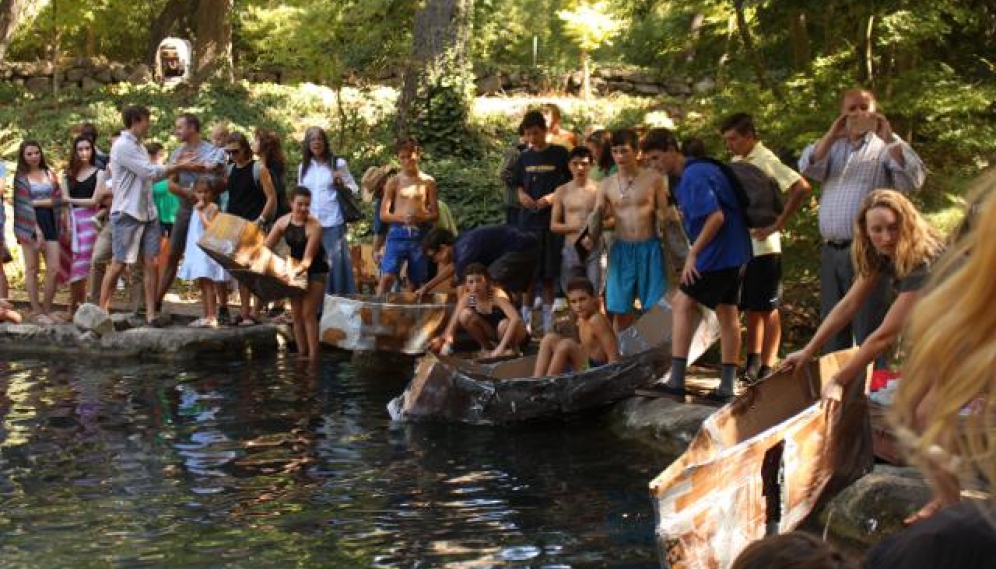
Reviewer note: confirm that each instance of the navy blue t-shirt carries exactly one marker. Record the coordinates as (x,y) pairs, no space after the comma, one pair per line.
(485,244)
(540,172)
(704,189)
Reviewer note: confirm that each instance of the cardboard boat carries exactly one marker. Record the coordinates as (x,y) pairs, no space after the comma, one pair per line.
(760,465)
(450,389)
(396,322)
(238,245)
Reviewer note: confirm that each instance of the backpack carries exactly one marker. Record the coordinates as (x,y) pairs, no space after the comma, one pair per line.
(758,194)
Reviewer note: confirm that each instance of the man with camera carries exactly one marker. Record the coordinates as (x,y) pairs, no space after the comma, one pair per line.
(859,153)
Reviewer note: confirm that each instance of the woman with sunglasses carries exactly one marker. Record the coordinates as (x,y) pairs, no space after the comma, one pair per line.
(250,196)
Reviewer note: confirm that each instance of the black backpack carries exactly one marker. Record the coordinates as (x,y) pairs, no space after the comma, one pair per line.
(758,193)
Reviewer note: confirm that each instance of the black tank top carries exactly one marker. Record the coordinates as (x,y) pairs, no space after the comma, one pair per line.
(297,240)
(244,198)
(83,190)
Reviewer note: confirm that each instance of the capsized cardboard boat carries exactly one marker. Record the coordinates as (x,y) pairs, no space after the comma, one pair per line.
(396,322)
(238,245)
(760,465)
(450,389)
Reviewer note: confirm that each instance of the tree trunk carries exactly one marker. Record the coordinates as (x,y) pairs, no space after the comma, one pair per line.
(173,20)
(867,52)
(752,54)
(585,76)
(800,40)
(435,98)
(694,31)
(213,42)
(56,47)
(13,15)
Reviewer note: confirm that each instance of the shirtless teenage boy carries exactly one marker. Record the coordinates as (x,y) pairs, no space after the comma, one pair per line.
(634,202)
(598,345)
(572,204)
(410,208)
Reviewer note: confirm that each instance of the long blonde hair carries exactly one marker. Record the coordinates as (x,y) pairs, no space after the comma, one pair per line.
(918,242)
(951,344)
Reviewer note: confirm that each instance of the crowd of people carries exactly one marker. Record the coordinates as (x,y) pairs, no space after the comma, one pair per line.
(594,220)
(131,213)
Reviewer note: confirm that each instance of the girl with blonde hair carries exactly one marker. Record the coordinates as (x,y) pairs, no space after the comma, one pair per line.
(944,412)
(891,241)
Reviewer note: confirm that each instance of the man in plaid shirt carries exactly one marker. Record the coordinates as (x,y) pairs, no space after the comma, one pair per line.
(859,153)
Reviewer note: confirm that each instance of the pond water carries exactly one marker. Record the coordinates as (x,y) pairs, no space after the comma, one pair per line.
(263,463)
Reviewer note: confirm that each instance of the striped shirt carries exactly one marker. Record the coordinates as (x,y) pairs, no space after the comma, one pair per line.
(850,171)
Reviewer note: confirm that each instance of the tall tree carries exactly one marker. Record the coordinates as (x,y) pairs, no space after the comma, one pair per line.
(175,18)
(590,26)
(13,15)
(435,99)
(213,42)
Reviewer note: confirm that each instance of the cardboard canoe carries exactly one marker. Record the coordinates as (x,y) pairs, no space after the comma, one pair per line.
(450,389)
(760,465)
(396,322)
(238,246)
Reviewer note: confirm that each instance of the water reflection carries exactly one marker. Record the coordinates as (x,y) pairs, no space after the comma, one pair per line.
(263,463)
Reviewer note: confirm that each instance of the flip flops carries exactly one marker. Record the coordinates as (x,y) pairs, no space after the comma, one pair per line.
(204,323)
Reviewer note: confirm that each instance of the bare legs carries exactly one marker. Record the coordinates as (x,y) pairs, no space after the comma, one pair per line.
(32,263)
(304,308)
(114,271)
(557,355)
(208,299)
(764,335)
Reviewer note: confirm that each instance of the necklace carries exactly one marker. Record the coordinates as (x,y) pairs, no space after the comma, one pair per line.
(624,193)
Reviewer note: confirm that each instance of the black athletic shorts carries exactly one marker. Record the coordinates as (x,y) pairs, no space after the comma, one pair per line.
(514,271)
(716,287)
(550,247)
(762,287)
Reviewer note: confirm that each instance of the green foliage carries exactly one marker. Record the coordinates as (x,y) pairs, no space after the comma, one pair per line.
(590,25)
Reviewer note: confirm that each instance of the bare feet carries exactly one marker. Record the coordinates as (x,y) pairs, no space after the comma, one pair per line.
(925,512)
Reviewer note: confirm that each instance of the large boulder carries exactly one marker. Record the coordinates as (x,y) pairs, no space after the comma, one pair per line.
(874,507)
(141,74)
(75,74)
(489,85)
(89,84)
(663,423)
(90,317)
(38,85)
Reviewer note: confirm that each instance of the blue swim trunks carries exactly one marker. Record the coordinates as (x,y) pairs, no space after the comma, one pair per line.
(636,270)
(404,244)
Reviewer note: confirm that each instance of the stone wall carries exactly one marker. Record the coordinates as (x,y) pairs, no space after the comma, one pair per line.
(89,74)
(604,80)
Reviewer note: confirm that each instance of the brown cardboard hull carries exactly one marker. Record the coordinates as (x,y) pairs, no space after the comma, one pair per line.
(760,465)
(237,245)
(450,389)
(388,323)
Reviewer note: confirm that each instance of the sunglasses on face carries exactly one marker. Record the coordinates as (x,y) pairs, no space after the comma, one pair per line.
(232,151)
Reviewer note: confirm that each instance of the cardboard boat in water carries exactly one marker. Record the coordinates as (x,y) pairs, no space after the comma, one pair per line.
(450,389)
(238,245)
(395,322)
(760,465)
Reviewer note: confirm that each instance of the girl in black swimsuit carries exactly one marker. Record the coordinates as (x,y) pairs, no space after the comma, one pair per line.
(303,234)
(490,318)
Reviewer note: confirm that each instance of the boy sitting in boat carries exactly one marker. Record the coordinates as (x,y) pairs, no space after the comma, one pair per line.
(410,208)
(487,314)
(598,345)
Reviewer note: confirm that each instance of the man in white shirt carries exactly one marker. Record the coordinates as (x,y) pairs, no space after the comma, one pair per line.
(134,219)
